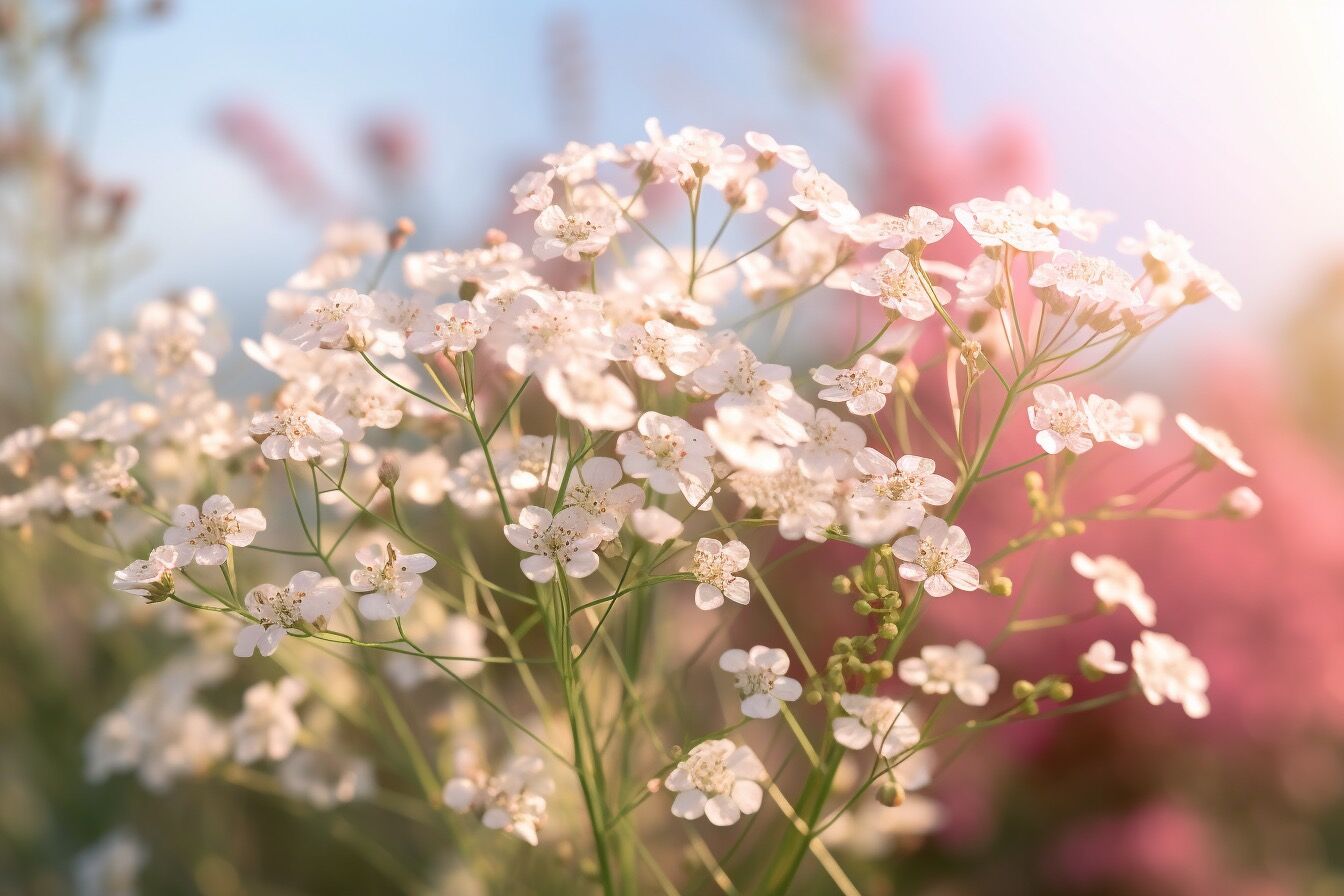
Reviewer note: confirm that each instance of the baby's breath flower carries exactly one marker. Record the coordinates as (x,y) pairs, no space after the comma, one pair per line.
(204,536)
(1060,422)
(936,557)
(713,565)
(863,388)
(1100,660)
(1215,443)
(1167,671)
(565,541)
(760,680)
(308,598)
(293,433)
(268,728)
(877,721)
(718,780)
(1116,584)
(390,578)
(961,670)
(671,454)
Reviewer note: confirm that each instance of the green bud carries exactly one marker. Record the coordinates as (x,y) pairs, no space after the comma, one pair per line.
(1061,691)
(891,793)
(888,631)
(863,608)
(1023,689)
(842,584)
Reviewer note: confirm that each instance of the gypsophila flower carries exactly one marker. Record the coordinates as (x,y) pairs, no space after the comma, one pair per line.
(1108,421)
(533,192)
(877,721)
(655,525)
(571,235)
(671,454)
(996,224)
(936,557)
(1215,444)
(267,727)
(831,445)
(1147,412)
(1060,423)
(565,540)
(1116,584)
(330,321)
(759,678)
(1090,280)
(293,433)
(594,488)
(816,193)
(514,800)
(898,286)
(204,536)
(863,388)
(962,670)
(455,327)
(1166,671)
(391,579)
(713,565)
(718,780)
(906,484)
(1100,661)
(1242,503)
(308,598)
(151,578)
(657,344)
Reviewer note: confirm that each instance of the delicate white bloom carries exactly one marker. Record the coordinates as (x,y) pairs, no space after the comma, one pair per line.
(513,801)
(309,597)
(831,444)
(751,394)
(204,536)
(1158,244)
(441,634)
(1167,671)
(877,721)
(267,727)
(1108,421)
(293,433)
(111,867)
(863,388)
(962,670)
(995,224)
(565,540)
(454,327)
(1116,584)
(600,401)
(330,321)
(1147,412)
(937,556)
(1203,281)
(1088,279)
(326,780)
(1242,503)
(19,447)
(803,507)
(1057,213)
(671,454)
(817,193)
(658,344)
(718,780)
(1060,423)
(532,462)
(573,236)
(770,149)
(759,678)
(898,286)
(910,234)
(391,579)
(905,485)
(713,565)
(552,331)
(594,488)
(106,485)
(533,192)
(1215,443)
(152,577)
(655,525)
(1100,660)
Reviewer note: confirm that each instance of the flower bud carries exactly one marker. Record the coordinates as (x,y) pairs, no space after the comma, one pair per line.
(389,471)
(842,584)
(888,630)
(1000,585)
(862,607)
(1241,503)
(1023,689)
(401,231)
(891,793)
(1061,691)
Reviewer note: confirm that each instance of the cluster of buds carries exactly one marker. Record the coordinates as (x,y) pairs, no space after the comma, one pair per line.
(1029,694)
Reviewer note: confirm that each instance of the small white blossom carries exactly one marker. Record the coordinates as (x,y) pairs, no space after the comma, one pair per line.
(817,193)
(713,565)
(1242,503)
(759,678)
(204,536)
(1100,660)
(1060,423)
(1116,584)
(330,321)
(1216,443)
(571,235)
(513,801)
(771,149)
(390,578)
(1147,412)
(863,388)
(595,488)
(655,525)
(904,485)
(657,344)
(831,445)
(937,556)
(718,780)
(1108,421)
(565,540)
(309,597)
(898,286)
(1167,671)
(877,721)
(152,577)
(454,327)
(533,192)
(962,670)
(267,727)
(671,454)
(995,224)
(293,433)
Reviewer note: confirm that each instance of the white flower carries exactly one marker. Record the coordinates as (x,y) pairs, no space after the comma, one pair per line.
(936,556)
(532,462)
(658,344)
(718,780)
(671,454)
(19,447)
(713,565)
(897,285)
(655,525)
(1100,661)
(1167,671)
(1160,245)
(759,677)
(831,445)
(1108,421)
(454,327)
(293,433)
(572,236)
(513,801)
(533,192)
(267,727)
(1116,584)
(1059,421)
(770,149)
(906,485)
(1057,213)
(879,721)
(391,577)
(803,507)
(205,536)
(594,489)
(1215,443)
(1242,503)
(329,321)
(961,669)
(1147,412)
(309,597)
(817,193)
(107,484)
(599,400)
(326,780)
(149,578)
(994,224)
(863,388)
(1091,280)
(751,394)
(565,540)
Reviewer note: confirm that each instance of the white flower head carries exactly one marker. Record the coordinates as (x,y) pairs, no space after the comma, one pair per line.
(513,801)
(565,541)
(1242,503)
(770,149)
(204,536)
(1109,421)
(1147,412)
(655,525)
(1100,661)
(293,433)
(1060,422)
(904,485)
(898,286)
(718,780)
(937,556)
(454,327)
(1116,584)
(863,388)
(760,680)
(595,488)
(961,670)
(1167,671)
(996,224)
(572,235)
(671,454)
(149,578)
(308,598)
(713,565)
(879,722)
(331,321)
(388,579)
(1215,444)
(817,193)
(267,727)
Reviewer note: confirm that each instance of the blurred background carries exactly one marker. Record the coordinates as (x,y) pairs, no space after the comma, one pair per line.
(196,143)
